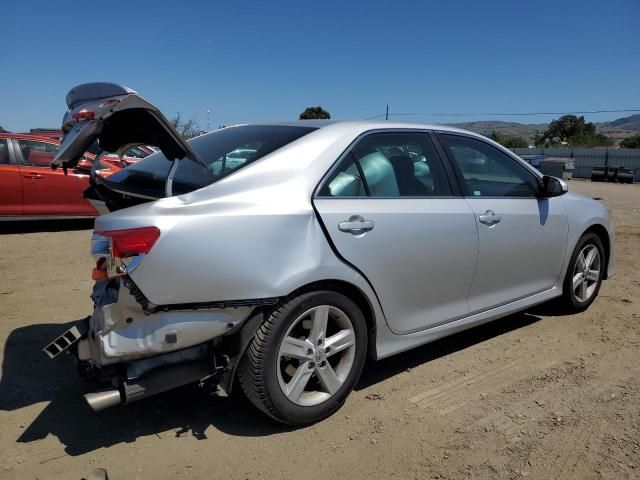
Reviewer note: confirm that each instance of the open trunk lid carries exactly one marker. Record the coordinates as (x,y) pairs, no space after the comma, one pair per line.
(117,117)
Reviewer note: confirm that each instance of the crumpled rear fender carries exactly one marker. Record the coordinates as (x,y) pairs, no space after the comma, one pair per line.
(224,249)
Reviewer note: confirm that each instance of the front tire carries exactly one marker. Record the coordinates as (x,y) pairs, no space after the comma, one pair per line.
(305,358)
(584,274)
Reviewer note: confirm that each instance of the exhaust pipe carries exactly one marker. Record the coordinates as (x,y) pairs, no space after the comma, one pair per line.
(155,382)
(101,400)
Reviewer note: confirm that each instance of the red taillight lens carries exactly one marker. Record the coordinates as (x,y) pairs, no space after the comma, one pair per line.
(100,272)
(133,241)
(88,111)
(84,115)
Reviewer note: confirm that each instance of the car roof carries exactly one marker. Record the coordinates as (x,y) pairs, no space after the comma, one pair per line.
(350,125)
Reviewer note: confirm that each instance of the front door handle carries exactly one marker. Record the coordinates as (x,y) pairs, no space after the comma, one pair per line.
(33,175)
(489,218)
(356,225)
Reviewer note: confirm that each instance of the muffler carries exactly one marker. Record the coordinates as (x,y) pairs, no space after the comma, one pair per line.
(155,382)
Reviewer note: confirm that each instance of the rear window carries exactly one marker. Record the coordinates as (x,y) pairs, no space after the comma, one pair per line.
(224,151)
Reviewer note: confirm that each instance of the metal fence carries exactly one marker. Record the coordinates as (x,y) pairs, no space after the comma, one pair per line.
(587,158)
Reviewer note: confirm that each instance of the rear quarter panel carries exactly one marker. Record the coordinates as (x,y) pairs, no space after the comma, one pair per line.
(232,248)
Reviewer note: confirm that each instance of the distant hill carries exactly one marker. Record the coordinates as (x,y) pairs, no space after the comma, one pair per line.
(616,129)
(631,122)
(485,127)
(620,128)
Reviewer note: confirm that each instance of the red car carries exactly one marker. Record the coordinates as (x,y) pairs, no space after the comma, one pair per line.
(29,188)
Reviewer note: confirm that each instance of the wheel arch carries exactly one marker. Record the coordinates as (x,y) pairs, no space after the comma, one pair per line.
(235,345)
(603,234)
(358,296)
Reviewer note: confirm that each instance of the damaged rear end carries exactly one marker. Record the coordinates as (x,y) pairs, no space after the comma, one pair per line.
(135,347)
(140,348)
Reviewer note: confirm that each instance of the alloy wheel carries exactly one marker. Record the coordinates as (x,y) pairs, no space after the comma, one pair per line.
(316,355)
(586,273)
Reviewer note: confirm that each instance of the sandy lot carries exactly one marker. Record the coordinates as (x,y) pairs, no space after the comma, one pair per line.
(532,395)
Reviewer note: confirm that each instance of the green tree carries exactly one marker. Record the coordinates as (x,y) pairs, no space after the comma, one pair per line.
(631,142)
(2,130)
(496,136)
(186,128)
(509,141)
(312,113)
(575,131)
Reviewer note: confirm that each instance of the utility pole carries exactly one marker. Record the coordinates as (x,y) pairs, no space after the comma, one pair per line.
(208,120)
(386,116)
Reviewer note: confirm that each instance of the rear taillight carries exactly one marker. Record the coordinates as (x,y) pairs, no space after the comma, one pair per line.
(118,252)
(131,242)
(83,115)
(88,111)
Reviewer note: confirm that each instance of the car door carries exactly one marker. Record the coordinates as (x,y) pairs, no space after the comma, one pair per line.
(10,183)
(391,211)
(522,238)
(50,192)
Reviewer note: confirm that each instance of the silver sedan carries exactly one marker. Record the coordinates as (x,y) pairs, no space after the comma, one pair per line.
(285,254)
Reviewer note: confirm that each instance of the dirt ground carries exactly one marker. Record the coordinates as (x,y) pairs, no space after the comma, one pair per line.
(532,395)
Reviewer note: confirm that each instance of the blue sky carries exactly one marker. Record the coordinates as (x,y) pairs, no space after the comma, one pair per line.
(268,60)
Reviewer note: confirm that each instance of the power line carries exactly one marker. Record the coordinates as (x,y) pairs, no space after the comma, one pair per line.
(518,114)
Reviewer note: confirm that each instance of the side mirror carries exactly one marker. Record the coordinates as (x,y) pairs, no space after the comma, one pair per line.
(553,187)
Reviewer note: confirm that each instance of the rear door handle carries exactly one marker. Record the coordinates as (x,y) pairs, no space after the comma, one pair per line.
(489,218)
(32,175)
(356,225)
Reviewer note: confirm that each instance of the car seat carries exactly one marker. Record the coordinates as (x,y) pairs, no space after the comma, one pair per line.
(408,184)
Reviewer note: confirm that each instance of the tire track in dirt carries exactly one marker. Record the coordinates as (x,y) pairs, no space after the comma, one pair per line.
(552,430)
(458,392)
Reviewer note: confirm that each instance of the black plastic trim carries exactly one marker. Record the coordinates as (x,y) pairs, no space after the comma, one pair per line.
(448,167)
(149,307)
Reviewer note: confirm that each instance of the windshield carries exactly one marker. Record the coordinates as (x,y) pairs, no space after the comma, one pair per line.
(223,151)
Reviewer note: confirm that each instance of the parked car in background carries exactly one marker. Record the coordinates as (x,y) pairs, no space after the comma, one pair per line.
(53,133)
(285,254)
(129,156)
(29,188)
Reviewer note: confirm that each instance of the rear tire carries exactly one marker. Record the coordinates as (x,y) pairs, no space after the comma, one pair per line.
(305,358)
(584,274)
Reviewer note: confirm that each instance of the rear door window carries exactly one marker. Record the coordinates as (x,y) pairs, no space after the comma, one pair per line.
(37,154)
(346,181)
(402,164)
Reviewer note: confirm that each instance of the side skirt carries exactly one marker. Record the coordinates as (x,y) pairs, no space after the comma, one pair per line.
(389,344)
